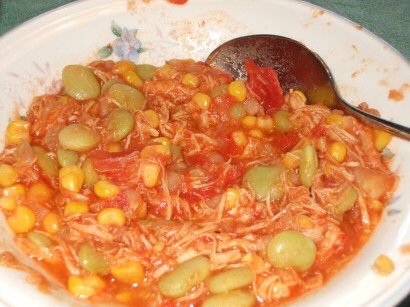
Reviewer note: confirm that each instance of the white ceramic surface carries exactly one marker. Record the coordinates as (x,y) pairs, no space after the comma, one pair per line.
(365,67)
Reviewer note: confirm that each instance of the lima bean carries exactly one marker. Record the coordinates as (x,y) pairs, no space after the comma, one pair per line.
(38,239)
(291,249)
(92,261)
(145,71)
(346,200)
(127,97)
(308,165)
(66,157)
(80,83)
(231,279)
(237,111)
(90,175)
(263,181)
(236,298)
(78,137)
(219,90)
(186,276)
(282,121)
(46,163)
(106,86)
(119,123)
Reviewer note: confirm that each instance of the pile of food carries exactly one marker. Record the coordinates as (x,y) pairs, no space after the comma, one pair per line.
(179,186)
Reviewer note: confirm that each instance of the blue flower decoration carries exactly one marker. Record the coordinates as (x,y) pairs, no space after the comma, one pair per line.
(128,46)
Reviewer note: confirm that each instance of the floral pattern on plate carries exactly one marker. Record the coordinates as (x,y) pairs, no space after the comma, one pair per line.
(126,46)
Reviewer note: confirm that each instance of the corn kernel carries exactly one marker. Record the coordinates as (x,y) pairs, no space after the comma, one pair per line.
(383,265)
(124,297)
(237,89)
(75,207)
(8,203)
(303,96)
(71,178)
(249,121)
(381,139)
(85,287)
(162,140)
(51,223)
(190,80)
(202,100)
(335,119)
(233,196)
(114,147)
(305,222)
(23,220)
(132,78)
(111,216)
(39,192)
(338,151)
(265,123)
(153,118)
(18,131)
(123,66)
(150,173)
(291,160)
(256,133)
(105,189)
(153,151)
(8,175)
(376,204)
(17,190)
(239,138)
(131,272)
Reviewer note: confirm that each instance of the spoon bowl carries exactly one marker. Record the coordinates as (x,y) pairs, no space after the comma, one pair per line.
(298,68)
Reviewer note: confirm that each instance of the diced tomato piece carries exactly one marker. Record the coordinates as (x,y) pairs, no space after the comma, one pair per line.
(178,1)
(117,167)
(228,147)
(285,141)
(220,106)
(318,131)
(263,84)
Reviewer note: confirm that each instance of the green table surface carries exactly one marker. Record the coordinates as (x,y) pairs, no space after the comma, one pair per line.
(389,19)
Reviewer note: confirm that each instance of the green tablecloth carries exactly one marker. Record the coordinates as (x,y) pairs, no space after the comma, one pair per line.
(389,19)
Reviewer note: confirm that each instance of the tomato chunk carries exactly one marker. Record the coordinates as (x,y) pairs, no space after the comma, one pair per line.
(117,167)
(178,1)
(285,141)
(263,85)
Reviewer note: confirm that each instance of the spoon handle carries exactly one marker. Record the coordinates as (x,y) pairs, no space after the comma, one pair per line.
(377,122)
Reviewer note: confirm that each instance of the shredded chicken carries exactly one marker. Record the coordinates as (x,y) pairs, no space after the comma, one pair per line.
(201,204)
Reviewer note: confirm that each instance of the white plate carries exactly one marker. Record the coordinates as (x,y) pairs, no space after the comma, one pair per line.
(365,67)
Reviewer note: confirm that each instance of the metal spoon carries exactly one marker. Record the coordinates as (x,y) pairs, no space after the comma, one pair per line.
(297,68)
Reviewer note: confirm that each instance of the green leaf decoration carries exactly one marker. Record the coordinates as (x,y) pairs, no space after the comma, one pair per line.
(116,29)
(104,52)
